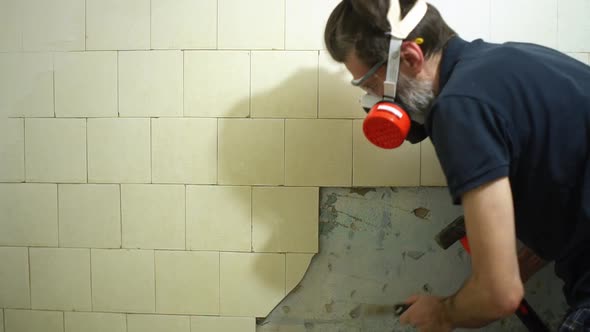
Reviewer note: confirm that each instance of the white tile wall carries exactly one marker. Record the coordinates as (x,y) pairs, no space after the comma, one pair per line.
(305,23)
(263,273)
(33,321)
(470,26)
(23,226)
(373,166)
(158,323)
(184,24)
(153,216)
(94,322)
(223,324)
(117,25)
(123,280)
(11,14)
(150,83)
(53,25)
(284,84)
(285,219)
(60,279)
(86,84)
(184,151)
(55,150)
(524,20)
(89,216)
(12,150)
(574,27)
(119,151)
(187,282)
(246,145)
(217,84)
(210,225)
(14,278)
(243,25)
(318,152)
(26,84)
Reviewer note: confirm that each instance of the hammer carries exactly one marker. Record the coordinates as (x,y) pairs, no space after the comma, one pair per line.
(454,232)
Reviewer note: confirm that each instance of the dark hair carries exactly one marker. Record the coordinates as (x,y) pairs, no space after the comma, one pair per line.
(361,25)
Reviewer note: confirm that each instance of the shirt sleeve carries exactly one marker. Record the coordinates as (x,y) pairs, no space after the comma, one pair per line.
(471,142)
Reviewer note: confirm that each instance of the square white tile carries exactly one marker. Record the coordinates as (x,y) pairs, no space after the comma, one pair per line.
(207,90)
(338,99)
(150,83)
(210,225)
(119,151)
(86,84)
(431,172)
(26,84)
(23,226)
(509,23)
(284,84)
(223,324)
(285,219)
(94,322)
(123,280)
(14,278)
(60,279)
(473,26)
(89,216)
(11,13)
(318,152)
(118,25)
(573,26)
(55,150)
(184,151)
(187,282)
(33,321)
(157,323)
(153,216)
(255,24)
(297,265)
(305,23)
(251,284)
(251,152)
(184,24)
(56,25)
(377,167)
(12,150)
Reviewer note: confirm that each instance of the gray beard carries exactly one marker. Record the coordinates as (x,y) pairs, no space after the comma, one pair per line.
(415,96)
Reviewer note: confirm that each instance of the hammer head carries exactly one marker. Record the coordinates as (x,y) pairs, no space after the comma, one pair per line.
(452,233)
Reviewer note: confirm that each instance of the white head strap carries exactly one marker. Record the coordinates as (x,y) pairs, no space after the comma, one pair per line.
(400,29)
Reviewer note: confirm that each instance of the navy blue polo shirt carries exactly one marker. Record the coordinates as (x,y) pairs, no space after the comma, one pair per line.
(522,111)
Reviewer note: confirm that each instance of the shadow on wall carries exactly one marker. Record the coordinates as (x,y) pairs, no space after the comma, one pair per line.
(275,151)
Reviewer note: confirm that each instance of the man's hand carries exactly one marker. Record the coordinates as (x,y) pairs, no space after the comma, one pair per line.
(427,314)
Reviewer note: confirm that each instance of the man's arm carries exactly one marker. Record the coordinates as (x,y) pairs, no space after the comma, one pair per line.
(494,289)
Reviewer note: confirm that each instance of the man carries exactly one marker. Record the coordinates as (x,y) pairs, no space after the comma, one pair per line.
(511,127)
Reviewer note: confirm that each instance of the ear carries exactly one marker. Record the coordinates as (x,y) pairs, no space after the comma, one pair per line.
(412,58)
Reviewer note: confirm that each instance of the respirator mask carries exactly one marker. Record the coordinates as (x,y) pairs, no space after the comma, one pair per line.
(388,124)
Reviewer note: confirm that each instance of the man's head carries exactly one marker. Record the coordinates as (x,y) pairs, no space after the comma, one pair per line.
(356,36)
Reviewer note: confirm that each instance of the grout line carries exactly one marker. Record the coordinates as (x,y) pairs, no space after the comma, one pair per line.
(53,78)
(217,175)
(118,93)
(250,93)
(91,295)
(63,317)
(352,153)
(284,152)
(121,213)
(183,82)
(3,320)
(25,149)
(218,282)
(57,204)
(85,24)
(155,292)
(151,154)
(251,219)
(87,176)
(185,217)
(284,24)
(318,87)
(217,28)
(126,322)
(151,18)
(30,283)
